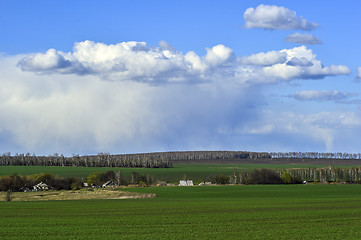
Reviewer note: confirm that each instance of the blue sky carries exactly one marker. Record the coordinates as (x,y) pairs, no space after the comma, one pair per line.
(82,77)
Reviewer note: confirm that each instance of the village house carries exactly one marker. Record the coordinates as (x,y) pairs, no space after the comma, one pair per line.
(204,183)
(185,183)
(108,184)
(40,187)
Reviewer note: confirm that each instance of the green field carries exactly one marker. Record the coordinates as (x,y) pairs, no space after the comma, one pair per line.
(209,212)
(196,172)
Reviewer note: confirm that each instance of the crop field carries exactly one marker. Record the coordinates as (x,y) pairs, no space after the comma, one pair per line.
(209,212)
(196,172)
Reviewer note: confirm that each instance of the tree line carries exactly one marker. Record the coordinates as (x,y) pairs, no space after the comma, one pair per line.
(17,183)
(141,160)
(316,155)
(156,159)
(299,175)
(100,160)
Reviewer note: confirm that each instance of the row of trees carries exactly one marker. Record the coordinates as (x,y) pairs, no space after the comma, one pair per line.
(330,174)
(156,160)
(201,155)
(100,160)
(195,155)
(257,176)
(294,176)
(142,160)
(16,183)
(99,178)
(316,155)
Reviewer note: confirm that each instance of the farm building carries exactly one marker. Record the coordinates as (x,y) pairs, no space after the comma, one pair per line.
(41,186)
(204,183)
(185,183)
(108,184)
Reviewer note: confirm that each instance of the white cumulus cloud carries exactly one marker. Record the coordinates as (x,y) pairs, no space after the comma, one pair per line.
(275,17)
(218,55)
(134,61)
(306,38)
(264,59)
(50,62)
(129,61)
(300,63)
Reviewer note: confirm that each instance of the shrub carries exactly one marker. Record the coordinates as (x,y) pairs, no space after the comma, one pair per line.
(108,176)
(265,176)
(220,179)
(60,184)
(11,183)
(75,185)
(286,177)
(95,178)
(44,177)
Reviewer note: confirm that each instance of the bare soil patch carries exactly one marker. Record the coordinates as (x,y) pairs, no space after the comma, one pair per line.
(82,194)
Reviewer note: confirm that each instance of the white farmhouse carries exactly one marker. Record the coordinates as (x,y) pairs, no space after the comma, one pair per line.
(185,183)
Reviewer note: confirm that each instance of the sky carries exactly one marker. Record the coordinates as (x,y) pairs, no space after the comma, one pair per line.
(84,77)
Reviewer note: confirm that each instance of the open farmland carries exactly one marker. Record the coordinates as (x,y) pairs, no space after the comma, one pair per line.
(210,212)
(195,165)
(196,172)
